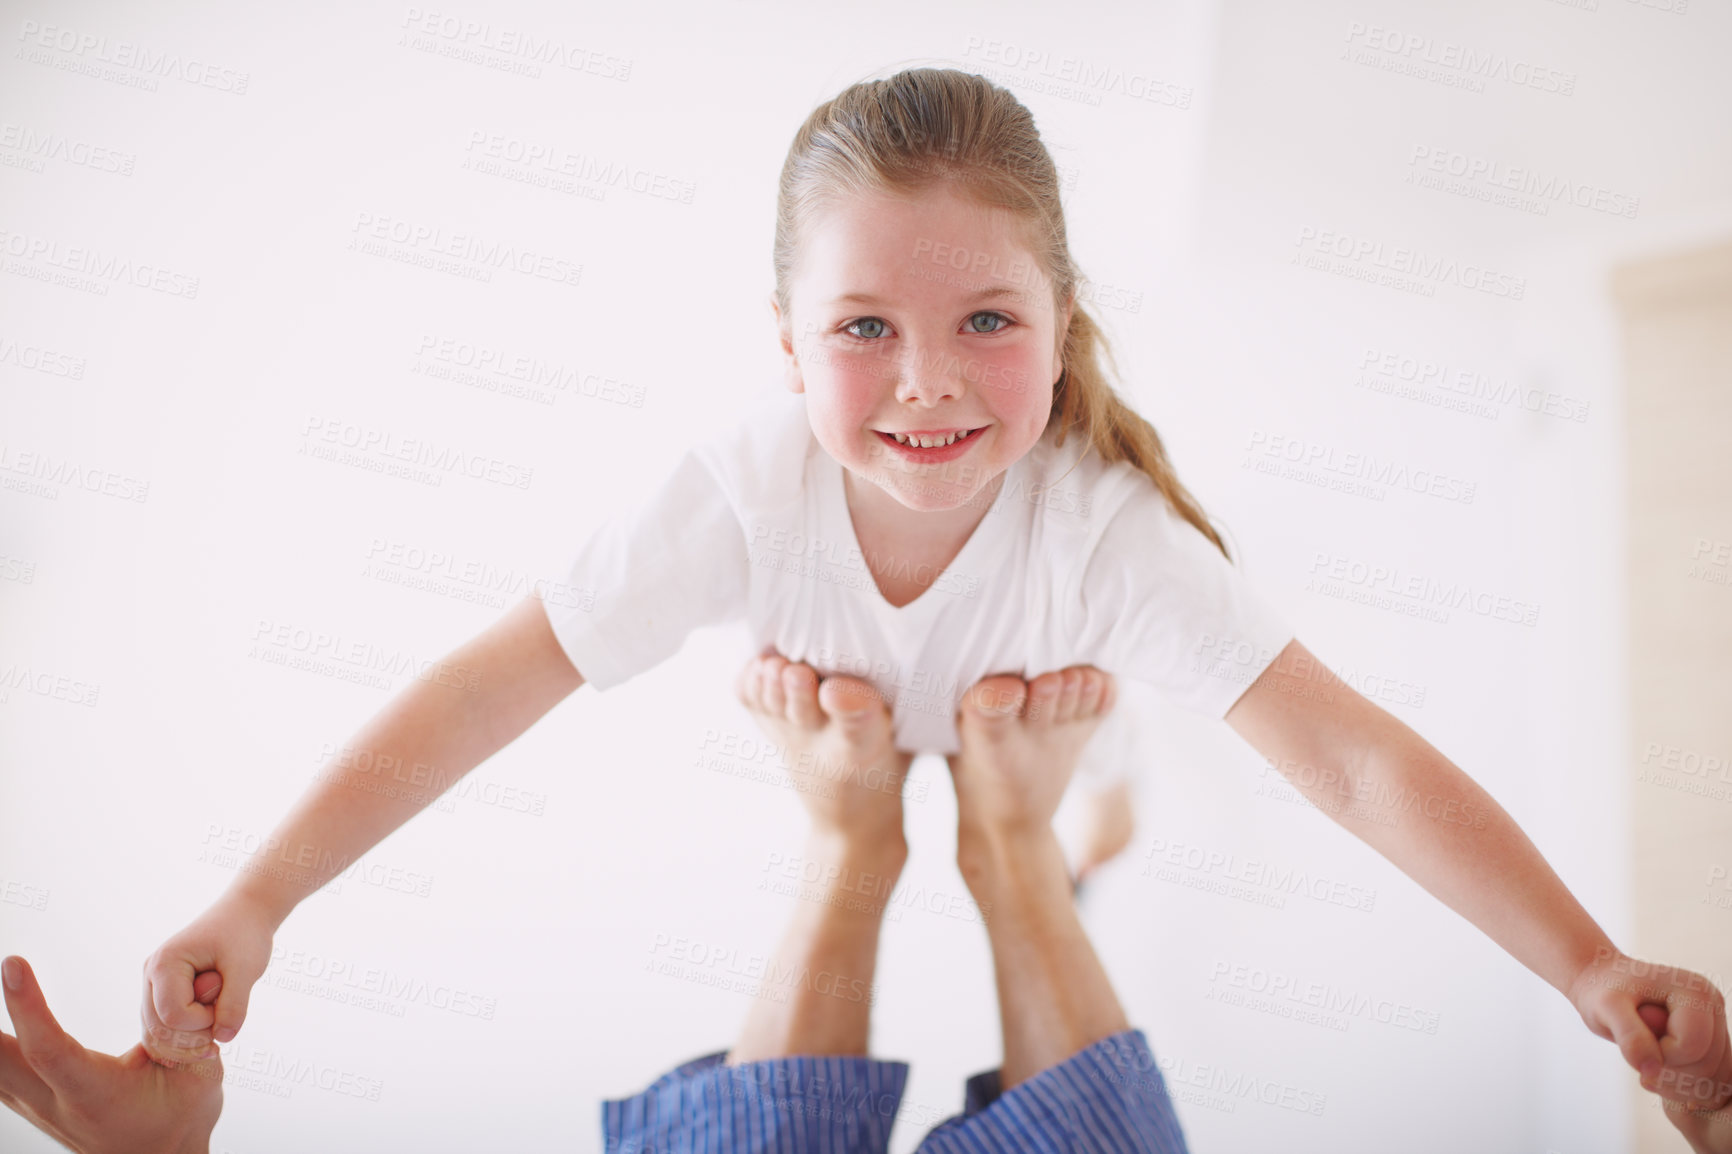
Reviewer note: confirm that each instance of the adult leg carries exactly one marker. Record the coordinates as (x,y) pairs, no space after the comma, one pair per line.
(1075,1076)
(849,775)
(798,1078)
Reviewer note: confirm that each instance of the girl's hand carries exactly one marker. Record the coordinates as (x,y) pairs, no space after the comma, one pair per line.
(216,959)
(1669,1024)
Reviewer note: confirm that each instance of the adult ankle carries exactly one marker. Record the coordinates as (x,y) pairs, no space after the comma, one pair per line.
(992,859)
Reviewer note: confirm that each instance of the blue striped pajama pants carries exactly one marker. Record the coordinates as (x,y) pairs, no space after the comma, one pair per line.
(1108,1098)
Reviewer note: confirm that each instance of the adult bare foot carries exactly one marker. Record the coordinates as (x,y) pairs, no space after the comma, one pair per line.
(836,742)
(836,737)
(1020,745)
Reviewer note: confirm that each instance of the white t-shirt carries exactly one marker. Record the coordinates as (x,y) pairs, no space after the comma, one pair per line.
(1094,568)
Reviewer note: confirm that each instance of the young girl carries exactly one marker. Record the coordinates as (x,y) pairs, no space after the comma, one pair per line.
(948,488)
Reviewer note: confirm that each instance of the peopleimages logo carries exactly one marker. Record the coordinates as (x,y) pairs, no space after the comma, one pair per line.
(103,267)
(329,437)
(1287,993)
(437,248)
(1072,77)
(1370,259)
(90,49)
(36,146)
(510,43)
(1518,180)
(1250,879)
(1418,52)
(282,642)
(1361,474)
(1416,594)
(323,976)
(1461,388)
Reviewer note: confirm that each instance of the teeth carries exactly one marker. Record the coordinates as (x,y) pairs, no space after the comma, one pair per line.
(928,441)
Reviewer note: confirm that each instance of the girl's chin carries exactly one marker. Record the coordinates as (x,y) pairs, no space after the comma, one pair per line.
(924,488)
(928,494)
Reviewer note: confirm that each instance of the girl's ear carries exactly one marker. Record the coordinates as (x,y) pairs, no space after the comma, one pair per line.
(790,361)
(1060,331)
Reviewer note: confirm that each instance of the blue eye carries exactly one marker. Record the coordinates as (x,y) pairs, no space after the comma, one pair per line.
(872,328)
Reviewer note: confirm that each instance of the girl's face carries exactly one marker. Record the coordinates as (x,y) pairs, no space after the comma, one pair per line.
(915,318)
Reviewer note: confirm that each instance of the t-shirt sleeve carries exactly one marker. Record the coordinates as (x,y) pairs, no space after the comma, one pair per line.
(1172,611)
(650,575)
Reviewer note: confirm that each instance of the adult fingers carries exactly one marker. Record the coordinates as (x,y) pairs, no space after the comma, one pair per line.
(48,1050)
(1696,1127)
(1692,1028)
(21,1088)
(1635,1041)
(206,986)
(231,1003)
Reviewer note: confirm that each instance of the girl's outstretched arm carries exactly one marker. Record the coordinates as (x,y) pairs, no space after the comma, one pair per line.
(1364,767)
(517,671)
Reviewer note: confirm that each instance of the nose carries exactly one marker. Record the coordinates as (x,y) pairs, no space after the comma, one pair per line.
(929,375)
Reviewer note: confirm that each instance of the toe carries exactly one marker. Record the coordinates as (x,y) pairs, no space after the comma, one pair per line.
(997,701)
(771,697)
(1109,693)
(800,688)
(853,703)
(1091,692)
(1065,709)
(749,685)
(1044,695)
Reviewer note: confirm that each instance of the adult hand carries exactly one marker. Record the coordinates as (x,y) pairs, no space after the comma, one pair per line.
(1669,1024)
(95,1103)
(1707,1131)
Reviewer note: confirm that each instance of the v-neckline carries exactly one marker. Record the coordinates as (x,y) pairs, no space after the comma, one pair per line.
(985,533)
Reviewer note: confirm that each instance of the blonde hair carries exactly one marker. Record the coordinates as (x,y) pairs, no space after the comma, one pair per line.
(925,126)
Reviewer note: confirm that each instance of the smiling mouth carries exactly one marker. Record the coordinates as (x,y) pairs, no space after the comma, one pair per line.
(929,439)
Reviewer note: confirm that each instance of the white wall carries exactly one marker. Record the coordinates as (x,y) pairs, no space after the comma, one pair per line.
(1189,203)
(1677,326)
